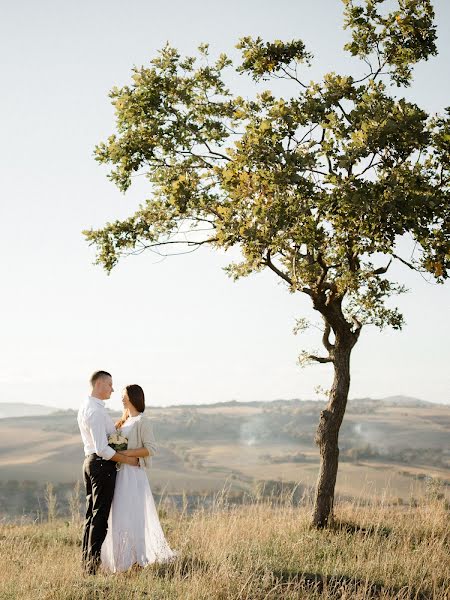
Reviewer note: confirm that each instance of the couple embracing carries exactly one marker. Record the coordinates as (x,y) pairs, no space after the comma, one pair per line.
(122,527)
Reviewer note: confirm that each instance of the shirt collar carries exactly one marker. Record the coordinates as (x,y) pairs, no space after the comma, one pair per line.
(97,401)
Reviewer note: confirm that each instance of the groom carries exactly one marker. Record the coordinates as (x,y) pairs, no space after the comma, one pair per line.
(99,467)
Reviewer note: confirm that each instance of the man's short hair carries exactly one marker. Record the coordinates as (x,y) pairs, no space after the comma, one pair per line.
(98,375)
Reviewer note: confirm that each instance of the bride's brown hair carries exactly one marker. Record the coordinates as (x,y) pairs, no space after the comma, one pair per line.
(136,396)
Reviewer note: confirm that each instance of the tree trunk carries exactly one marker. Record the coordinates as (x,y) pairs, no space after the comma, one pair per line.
(328,429)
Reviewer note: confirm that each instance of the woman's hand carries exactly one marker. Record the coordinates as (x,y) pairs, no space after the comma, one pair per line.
(136,452)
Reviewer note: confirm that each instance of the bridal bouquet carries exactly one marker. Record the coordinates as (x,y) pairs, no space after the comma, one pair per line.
(117,441)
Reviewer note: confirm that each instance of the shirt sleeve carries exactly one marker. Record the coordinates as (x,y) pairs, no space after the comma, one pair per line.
(96,424)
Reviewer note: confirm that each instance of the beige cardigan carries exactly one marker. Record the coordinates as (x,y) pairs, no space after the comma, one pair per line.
(141,435)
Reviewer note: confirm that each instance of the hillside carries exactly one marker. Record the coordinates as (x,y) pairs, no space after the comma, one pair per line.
(22,409)
(388,448)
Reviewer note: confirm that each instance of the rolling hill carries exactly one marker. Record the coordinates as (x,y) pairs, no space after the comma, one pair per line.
(391,448)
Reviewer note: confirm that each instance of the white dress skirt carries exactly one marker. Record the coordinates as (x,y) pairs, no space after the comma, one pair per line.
(134,531)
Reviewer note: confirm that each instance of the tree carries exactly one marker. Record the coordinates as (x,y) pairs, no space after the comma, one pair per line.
(318,187)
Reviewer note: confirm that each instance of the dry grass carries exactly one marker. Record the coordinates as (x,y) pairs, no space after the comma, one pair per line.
(256,552)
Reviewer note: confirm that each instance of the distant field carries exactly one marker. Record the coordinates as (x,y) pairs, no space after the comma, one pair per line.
(385,450)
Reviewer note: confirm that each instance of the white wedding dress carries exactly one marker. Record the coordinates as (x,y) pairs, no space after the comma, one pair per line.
(134,531)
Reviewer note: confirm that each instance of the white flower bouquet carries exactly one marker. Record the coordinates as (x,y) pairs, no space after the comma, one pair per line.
(117,441)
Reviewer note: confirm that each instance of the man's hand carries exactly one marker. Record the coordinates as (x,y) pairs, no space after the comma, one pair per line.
(126,460)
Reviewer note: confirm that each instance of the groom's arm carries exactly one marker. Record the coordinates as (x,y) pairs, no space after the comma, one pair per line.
(98,432)
(129,460)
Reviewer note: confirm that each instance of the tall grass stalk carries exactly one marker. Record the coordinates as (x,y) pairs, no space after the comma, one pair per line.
(74,502)
(50,501)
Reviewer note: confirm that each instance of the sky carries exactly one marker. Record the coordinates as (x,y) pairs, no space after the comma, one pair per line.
(179,327)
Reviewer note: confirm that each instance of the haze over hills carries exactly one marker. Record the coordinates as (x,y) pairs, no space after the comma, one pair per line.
(388,448)
(23,409)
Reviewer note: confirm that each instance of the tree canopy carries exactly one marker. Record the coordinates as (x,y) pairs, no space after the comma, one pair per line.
(318,186)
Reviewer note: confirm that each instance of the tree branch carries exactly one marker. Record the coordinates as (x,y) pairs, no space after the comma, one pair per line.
(320,359)
(357,330)
(405,262)
(294,78)
(276,270)
(324,273)
(370,165)
(283,275)
(326,337)
(171,242)
(344,112)
(382,270)
(218,154)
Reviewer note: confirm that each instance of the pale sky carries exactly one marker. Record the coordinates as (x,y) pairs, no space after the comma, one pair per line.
(180,328)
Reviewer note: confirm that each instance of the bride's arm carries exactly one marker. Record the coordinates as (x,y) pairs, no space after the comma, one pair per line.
(147,438)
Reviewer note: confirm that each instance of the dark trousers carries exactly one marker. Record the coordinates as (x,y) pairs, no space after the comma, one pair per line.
(99,480)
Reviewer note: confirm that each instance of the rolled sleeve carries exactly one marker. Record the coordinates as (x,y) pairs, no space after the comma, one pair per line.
(99,438)
(107,452)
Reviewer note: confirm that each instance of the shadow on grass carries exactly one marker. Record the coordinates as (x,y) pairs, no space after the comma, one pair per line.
(183,567)
(336,586)
(372,530)
(344,586)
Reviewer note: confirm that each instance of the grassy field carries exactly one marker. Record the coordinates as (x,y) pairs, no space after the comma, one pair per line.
(255,552)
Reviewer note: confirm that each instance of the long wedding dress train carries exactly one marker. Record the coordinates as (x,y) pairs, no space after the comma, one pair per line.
(134,531)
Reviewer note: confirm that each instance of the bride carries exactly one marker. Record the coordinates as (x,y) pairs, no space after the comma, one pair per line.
(134,532)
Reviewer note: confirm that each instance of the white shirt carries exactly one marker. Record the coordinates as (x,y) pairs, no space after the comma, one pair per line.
(95,424)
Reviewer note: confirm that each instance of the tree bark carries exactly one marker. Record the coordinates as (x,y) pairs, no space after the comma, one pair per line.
(329,424)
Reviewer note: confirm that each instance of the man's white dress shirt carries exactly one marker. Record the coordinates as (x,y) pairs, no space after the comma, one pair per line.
(95,424)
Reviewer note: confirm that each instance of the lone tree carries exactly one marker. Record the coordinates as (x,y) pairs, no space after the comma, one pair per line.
(318,185)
